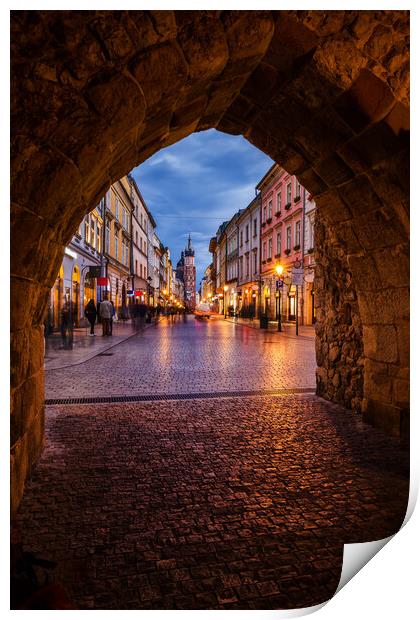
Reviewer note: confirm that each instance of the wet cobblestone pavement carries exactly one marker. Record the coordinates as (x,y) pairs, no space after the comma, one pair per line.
(224,503)
(196,355)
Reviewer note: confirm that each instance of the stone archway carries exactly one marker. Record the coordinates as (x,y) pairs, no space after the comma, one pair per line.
(325,94)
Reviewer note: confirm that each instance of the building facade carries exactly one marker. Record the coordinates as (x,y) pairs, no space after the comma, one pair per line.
(282,223)
(248,287)
(139,259)
(275,230)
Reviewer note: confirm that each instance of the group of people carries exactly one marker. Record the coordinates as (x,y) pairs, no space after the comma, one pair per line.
(105,310)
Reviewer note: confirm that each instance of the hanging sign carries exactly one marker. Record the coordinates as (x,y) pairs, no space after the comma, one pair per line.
(94,272)
(297,276)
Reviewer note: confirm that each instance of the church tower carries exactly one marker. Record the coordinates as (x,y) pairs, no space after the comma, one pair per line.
(189,275)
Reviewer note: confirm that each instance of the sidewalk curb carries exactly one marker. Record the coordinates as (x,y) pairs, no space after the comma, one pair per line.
(111,346)
(270,331)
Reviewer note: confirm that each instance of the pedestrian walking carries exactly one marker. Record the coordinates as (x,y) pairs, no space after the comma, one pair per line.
(90,314)
(67,324)
(142,314)
(106,312)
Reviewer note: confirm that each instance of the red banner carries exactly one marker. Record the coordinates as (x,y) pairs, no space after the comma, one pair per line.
(102,281)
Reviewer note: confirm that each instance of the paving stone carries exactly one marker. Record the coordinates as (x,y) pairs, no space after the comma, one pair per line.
(222,503)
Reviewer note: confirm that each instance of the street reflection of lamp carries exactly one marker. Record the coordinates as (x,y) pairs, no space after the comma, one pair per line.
(225,288)
(279,271)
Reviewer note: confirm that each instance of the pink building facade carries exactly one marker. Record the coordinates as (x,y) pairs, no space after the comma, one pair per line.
(284,205)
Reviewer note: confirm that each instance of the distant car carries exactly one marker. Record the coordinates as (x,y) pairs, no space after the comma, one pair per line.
(203,311)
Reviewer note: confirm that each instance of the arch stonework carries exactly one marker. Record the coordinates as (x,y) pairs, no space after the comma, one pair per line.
(325,94)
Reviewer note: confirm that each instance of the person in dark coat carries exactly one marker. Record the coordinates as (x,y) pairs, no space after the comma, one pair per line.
(90,314)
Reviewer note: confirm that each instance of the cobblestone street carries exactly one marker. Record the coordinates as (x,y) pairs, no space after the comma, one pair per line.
(238,502)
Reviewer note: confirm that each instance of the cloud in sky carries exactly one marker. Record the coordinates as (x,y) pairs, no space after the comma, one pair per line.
(196,184)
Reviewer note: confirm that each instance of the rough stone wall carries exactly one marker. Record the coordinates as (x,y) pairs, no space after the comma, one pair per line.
(339,334)
(324,93)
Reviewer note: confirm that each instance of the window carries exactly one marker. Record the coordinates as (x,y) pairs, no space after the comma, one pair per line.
(98,237)
(116,244)
(117,209)
(107,236)
(297,188)
(247,265)
(255,227)
(288,237)
(289,193)
(264,250)
(246,233)
(137,267)
(137,238)
(255,263)
(297,233)
(270,209)
(278,244)
(264,213)
(240,267)
(242,239)
(279,201)
(311,233)
(92,231)
(87,229)
(270,248)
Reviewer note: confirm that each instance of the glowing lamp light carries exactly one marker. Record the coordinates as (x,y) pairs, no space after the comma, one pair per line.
(225,288)
(279,269)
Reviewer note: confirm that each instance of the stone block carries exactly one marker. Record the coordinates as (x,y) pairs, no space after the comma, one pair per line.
(393,266)
(391,178)
(403,335)
(385,307)
(378,387)
(37,179)
(365,274)
(291,41)
(380,343)
(375,230)
(26,353)
(323,134)
(248,36)
(262,84)
(375,144)
(332,208)
(333,170)
(367,101)
(122,113)
(204,46)
(359,196)
(339,61)
(401,392)
(312,181)
(114,36)
(161,72)
(385,416)
(345,235)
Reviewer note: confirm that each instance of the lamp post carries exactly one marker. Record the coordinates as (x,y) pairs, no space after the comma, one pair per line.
(225,288)
(279,271)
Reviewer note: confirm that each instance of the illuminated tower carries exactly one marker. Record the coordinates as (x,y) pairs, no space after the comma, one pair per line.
(189,275)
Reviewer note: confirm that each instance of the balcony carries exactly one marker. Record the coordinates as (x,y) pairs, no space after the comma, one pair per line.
(287,206)
(277,213)
(296,247)
(263,224)
(269,220)
(277,255)
(287,251)
(297,198)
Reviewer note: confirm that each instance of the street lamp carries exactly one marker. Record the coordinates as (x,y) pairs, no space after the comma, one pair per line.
(225,288)
(279,271)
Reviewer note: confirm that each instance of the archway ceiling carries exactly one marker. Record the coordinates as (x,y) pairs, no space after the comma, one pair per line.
(94,93)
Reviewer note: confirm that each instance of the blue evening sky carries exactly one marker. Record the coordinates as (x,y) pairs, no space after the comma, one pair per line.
(195,185)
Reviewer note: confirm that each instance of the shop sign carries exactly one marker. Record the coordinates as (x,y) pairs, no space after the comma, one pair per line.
(297,276)
(94,272)
(102,281)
